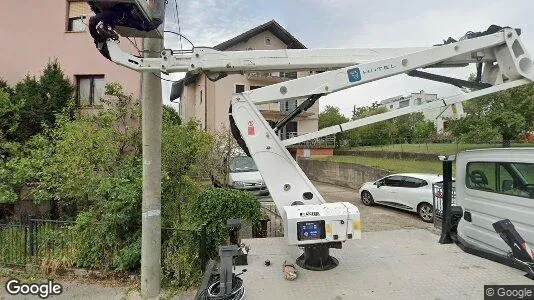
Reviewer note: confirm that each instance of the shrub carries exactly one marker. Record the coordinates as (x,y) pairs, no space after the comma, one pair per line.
(215,206)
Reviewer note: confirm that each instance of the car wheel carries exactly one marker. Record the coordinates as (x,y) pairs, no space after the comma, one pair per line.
(367,198)
(426,212)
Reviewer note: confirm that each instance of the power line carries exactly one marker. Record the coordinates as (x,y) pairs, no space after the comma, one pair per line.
(178,22)
(181,35)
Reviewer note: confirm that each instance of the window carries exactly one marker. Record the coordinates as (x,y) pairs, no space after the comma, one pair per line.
(411,182)
(239,88)
(77,12)
(253,87)
(481,176)
(391,106)
(290,75)
(267,41)
(509,178)
(89,89)
(393,181)
(418,101)
(288,105)
(290,130)
(200,97)
(404,103)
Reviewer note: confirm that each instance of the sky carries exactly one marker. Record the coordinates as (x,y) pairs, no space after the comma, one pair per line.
(351,24)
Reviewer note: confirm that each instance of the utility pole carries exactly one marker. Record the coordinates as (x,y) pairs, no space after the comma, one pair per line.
(151,103)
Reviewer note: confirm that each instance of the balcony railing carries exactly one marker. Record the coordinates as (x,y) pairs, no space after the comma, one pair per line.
(271,77)
(325,141)
(288,106)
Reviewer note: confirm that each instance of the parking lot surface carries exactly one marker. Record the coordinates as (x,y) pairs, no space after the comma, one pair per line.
(397,264)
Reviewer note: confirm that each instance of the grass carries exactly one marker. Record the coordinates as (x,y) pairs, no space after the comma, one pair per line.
(451,148)
(12,251)
(390,164)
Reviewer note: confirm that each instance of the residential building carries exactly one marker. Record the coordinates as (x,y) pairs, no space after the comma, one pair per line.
(208,101)
(36,32)
(435,115)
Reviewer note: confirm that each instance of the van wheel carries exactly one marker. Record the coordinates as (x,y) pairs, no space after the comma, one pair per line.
(426,212)
(367,198)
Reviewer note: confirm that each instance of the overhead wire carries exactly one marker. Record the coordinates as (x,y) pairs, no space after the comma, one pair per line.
(178,22)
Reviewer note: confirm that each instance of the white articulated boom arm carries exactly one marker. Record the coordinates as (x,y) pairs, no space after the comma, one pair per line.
(443,103)
(506,64)
(502,63)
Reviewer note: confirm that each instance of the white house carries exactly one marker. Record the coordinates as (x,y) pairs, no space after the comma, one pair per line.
(435,115)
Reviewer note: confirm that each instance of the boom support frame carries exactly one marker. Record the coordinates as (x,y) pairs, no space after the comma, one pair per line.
(500,56)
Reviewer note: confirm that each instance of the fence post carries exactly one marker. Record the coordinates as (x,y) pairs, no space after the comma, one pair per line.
(447,161)
(202,244)
(30,246)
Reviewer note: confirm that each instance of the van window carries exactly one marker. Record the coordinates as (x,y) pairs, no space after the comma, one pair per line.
(501,177)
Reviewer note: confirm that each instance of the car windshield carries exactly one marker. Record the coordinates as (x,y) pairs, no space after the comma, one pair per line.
(242,164)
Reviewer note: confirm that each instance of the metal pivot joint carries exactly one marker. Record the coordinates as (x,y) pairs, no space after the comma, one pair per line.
(317,257)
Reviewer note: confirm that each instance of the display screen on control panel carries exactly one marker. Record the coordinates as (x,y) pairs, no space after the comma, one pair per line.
(310,230)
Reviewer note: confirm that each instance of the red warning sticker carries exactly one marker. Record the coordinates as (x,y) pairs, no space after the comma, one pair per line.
(251,130)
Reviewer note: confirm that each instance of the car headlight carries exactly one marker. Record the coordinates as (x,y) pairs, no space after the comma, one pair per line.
(238,184)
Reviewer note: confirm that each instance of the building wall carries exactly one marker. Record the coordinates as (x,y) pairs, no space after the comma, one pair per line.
(343,174)
(258,43)
(216,102)
(34,33)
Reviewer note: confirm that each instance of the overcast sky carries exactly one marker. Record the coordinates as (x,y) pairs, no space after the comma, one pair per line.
(352,24)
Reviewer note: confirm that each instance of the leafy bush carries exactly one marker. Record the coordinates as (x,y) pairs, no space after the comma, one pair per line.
(215,206)
(95,161)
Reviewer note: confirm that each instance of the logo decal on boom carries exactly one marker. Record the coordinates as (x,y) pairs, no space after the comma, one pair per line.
(354,75)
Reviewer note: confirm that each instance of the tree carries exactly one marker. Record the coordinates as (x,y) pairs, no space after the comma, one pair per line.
(507,114)
(10,112)
(171,116)
(330,117)
(372,134)
(400,129)
(42,100)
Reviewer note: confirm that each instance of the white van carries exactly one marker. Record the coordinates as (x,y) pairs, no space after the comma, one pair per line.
(492,185)
(244,175)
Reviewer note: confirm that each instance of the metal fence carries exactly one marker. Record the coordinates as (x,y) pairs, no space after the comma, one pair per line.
(39,241)
(437,195)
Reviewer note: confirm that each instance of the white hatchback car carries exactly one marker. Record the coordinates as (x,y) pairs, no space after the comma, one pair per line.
(408,191)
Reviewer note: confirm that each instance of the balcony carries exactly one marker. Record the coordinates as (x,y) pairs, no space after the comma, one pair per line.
(322,142)
(271,77)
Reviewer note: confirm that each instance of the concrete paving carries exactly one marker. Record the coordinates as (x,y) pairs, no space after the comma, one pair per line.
(399,264)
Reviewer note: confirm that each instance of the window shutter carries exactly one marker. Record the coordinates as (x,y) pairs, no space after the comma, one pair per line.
(78,9)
